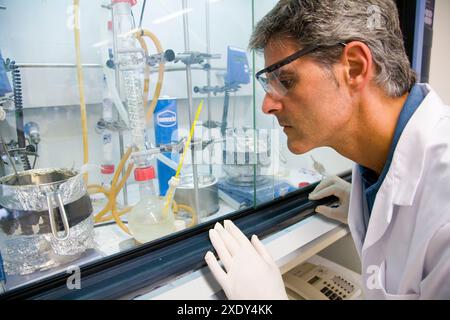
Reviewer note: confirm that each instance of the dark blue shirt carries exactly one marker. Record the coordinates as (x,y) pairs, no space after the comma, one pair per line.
(371,182)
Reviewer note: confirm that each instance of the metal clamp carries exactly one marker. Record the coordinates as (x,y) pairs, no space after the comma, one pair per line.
(166,56)
(63,214)
(194,57)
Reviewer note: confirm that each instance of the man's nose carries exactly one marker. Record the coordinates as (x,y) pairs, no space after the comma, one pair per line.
(270,105)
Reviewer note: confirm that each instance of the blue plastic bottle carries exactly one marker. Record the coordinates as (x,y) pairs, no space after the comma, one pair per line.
(166,124)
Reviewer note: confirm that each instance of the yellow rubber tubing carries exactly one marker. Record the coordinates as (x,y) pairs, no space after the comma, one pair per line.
(139,34)
(113,191)
(76,12)
(192,212)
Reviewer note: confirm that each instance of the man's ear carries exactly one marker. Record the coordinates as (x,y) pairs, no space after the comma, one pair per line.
(357,59)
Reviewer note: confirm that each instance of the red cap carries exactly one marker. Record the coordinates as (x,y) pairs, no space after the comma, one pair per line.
(131,2)
(144,174)
(107,169)
(303,184)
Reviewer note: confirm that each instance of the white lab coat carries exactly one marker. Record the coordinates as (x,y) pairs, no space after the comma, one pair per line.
(405,251)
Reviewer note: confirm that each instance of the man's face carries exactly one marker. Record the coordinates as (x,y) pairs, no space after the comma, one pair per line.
(317,105)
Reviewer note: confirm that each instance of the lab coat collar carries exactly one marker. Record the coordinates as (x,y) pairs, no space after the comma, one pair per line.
(409,157)
(404,175)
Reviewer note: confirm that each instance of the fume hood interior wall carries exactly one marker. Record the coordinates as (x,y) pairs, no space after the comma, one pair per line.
(43,34)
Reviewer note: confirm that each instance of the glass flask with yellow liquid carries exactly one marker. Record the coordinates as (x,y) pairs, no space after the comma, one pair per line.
(148,220)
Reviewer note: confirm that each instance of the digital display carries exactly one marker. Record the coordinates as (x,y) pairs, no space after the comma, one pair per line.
(312,281)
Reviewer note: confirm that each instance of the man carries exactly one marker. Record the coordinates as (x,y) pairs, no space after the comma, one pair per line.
(337,75)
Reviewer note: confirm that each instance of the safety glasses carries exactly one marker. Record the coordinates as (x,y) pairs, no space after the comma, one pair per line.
(270,79)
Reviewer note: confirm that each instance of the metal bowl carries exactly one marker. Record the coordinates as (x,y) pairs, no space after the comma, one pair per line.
(208,194)
(29,190)
(45,219)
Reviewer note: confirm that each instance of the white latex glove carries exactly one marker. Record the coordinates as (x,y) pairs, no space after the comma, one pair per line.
(333,186)
(250,272)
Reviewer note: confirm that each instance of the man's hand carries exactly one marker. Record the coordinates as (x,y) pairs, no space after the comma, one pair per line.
(333,186)
(250,272)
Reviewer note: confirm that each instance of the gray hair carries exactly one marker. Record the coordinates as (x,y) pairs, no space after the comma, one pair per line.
(325,22)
